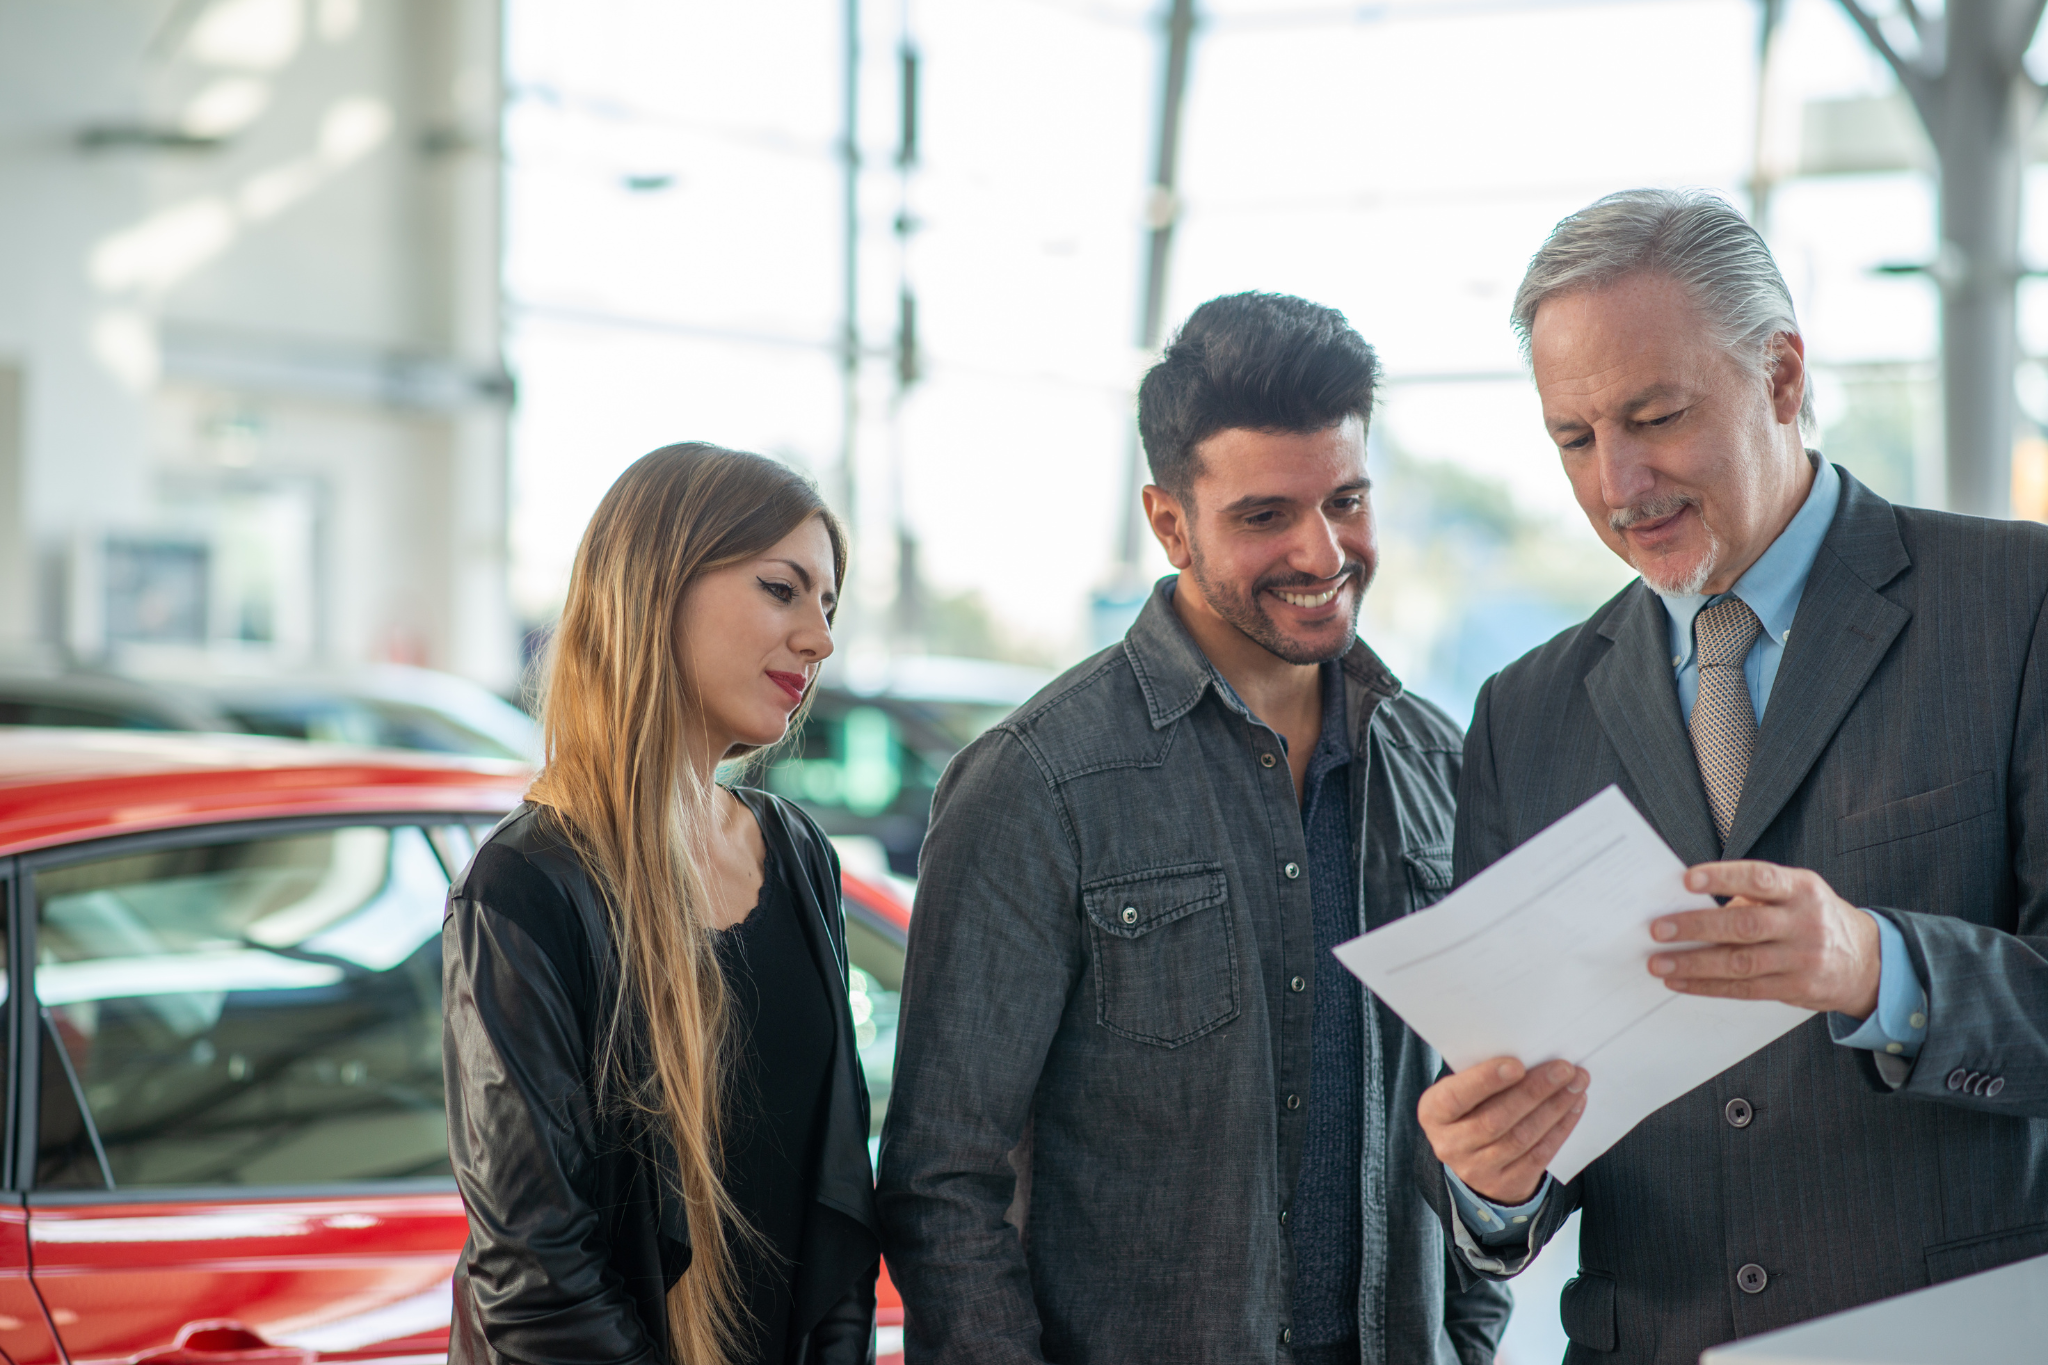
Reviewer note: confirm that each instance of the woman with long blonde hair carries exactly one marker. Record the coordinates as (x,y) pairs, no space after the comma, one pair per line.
(656,1111)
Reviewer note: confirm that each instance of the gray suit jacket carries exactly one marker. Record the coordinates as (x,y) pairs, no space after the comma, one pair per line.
(1904,757)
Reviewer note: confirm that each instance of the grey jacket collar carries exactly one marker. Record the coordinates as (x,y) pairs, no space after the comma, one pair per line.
(1173,672)
(1844,629)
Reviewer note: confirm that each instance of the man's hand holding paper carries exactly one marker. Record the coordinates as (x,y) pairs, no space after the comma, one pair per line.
(1542,958)
(1783,935)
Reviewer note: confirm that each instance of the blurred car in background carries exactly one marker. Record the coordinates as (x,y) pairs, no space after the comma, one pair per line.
(880,735)
(225,1134)
(384,706)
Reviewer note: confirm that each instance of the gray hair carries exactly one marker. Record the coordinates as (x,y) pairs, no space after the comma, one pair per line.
(1691,237)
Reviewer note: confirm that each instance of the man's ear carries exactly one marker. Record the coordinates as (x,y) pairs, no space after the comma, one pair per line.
(1170,525)
(1788,376)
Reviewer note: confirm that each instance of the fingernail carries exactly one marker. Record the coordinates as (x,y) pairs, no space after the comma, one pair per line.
(1506,1071)
(1696,881)
(1663,931)
(1578,1083)
(1661,965)
(1559,1072)
(1580,1107)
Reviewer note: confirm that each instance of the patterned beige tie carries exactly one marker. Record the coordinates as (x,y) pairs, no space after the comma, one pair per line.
(1723,718)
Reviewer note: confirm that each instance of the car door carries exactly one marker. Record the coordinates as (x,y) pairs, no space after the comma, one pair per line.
(230,1090)
(25,1335)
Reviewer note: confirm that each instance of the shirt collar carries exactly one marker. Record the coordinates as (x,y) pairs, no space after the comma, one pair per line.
(1772,586)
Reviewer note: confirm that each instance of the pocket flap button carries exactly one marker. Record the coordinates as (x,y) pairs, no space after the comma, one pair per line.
(1130,914)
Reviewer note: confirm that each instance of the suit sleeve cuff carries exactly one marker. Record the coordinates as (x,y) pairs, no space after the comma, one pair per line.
(1898,1026)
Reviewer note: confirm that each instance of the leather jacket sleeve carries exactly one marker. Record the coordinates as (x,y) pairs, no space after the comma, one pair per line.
(523,1139)
(846,1334)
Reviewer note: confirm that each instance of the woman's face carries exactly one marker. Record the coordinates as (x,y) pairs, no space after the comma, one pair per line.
(752,635)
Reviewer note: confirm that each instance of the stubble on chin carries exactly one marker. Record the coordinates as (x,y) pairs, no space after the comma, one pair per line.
(1689,583)
(1249,617)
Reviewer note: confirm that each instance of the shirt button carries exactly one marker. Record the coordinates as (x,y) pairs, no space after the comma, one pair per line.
(1266,760)
(1738,1113)
(1292,870)
(1917,1019)
(1751,1279)
(1294,1101)
(1130,914)
(1297,985)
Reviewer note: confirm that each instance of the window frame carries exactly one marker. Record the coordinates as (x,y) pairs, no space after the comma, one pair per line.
(23,1019)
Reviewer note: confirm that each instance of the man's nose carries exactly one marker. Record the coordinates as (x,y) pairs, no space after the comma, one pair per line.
(1625,477)
(1317,551)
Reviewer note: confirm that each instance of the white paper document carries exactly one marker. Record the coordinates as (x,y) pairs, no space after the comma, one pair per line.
(1544,955)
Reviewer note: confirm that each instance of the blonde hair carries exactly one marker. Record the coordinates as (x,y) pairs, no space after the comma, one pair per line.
(614,716)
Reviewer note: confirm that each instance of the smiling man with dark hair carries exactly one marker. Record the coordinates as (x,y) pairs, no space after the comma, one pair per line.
(1139,1112)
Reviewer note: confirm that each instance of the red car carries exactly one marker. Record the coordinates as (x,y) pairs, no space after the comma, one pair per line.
(224,1138)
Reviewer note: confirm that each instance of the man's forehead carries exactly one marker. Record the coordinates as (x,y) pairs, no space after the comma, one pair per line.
(1296,463)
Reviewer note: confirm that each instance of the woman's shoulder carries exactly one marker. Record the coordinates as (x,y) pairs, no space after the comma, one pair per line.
(526,872)
(793,836)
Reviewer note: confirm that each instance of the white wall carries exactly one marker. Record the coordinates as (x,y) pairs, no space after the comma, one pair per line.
(295,327)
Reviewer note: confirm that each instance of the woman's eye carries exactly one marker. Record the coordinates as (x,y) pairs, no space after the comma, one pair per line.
(781,592)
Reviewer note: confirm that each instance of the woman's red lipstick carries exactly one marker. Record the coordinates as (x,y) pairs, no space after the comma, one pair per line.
(792,683)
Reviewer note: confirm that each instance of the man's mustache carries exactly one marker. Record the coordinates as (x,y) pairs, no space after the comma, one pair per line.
(1655,509)
(1308,583)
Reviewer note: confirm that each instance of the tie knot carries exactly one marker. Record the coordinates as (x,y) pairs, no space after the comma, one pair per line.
(1724,632)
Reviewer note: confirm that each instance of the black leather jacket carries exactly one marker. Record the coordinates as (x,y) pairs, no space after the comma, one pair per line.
(575,1232)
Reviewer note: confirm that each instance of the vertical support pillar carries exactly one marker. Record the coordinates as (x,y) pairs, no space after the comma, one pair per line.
(17,555)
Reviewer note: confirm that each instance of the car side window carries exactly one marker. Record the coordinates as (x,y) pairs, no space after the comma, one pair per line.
(873,994)
(249,1011)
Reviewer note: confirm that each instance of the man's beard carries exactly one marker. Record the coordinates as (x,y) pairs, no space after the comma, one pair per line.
(1695,581)
(1244,611)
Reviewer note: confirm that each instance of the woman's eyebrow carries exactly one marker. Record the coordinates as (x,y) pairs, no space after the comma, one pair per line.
(800,571)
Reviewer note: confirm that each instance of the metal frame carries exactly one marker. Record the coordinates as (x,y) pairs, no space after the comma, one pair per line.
(23,1024)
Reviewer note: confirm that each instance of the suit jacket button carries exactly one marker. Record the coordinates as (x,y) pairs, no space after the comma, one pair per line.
(1991,1090)
(1957,1077)
(1738,1113)
(1751,1279)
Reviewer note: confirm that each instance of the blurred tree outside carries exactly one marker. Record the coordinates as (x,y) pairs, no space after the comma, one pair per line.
(1469,580)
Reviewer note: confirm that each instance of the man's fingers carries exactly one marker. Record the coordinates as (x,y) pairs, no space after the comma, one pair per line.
(1742,922)
(1456,1095)
(1509,1171)
(1746,877)
(1742,962)
(1537,1127)
(1497,1120)
(1786,988)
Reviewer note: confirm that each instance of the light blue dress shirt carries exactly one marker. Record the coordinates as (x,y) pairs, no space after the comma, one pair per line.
(1772,587)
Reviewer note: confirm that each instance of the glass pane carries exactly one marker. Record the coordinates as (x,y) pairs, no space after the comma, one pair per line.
(874,993)
(255,1012)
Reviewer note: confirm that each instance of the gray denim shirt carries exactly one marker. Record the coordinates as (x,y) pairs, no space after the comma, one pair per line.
(1102,1071)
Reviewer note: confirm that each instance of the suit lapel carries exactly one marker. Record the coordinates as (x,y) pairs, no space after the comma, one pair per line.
(1637,705)
(1841,632)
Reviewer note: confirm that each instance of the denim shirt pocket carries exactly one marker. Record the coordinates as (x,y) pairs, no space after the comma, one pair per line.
(1429,874)
(1164,950)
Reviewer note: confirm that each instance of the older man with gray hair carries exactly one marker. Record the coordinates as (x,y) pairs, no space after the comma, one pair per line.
(1868,796)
